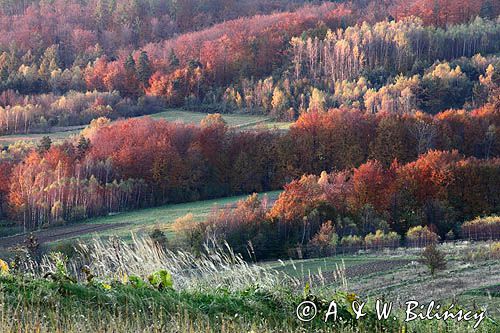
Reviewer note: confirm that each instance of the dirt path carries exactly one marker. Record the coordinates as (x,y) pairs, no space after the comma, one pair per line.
(59,233)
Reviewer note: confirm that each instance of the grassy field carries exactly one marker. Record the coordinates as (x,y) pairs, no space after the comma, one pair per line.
(397,274)
(241,121)
(7,140)
(123,224)
(162,217)
(273,125)
(189,117)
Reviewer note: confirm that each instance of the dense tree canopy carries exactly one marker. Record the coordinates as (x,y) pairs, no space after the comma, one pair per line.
(395,105)
(143,162)
(370,202)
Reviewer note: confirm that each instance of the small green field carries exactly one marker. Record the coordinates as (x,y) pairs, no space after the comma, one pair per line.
(35,137)
(240,121)
(274,125)
(162,217)
(123,224)
(189,117)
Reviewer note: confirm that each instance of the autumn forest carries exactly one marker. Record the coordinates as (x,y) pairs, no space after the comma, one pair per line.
(395,108)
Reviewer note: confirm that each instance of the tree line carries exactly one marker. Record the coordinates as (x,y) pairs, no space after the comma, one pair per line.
(385,67)
(141,162)
(369,207)
(333,54)
(39,113)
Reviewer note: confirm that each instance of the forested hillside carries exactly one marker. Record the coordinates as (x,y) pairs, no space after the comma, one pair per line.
(249,166)
(65,62)
(371,82)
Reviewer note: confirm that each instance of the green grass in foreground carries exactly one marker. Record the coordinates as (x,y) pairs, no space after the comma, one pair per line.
(71,307)
(74,307)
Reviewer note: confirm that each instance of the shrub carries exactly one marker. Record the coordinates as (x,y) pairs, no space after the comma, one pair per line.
(4,268)
(477,254)
(161,280)
(325,240)
(380,239)
(351,243)
(433,258)
(326,236)
(159,238)
(68,248)
(421,236)
(32,245)
(189,233)
(248,231)
(482,228)
(483,252)
(495,250)
(450,235)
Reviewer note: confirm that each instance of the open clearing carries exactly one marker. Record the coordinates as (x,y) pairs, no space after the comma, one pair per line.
(413,282)
(58,134)
(233,120)
(163,216)
(306,267)
(138,221)
(239,121)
